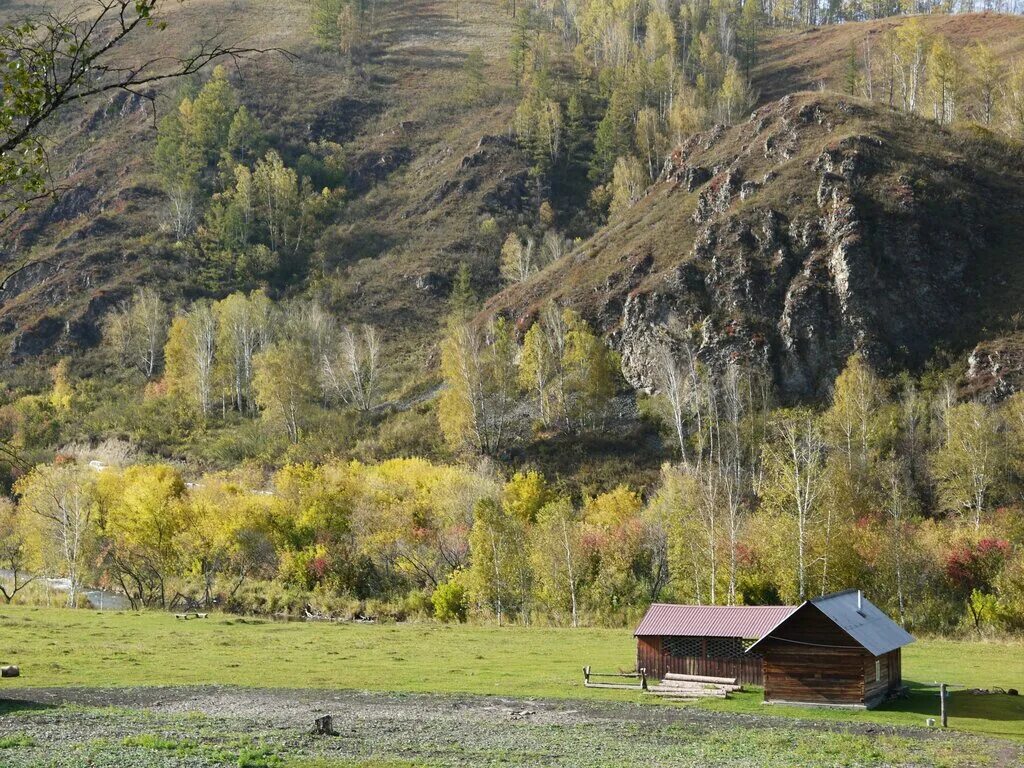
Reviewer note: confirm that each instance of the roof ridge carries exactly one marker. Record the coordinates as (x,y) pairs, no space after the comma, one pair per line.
(830,595)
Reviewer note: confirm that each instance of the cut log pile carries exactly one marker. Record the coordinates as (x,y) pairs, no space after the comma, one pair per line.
(679,686)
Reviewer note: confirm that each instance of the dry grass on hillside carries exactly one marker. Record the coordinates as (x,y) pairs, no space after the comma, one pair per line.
(816,58)
(396,111)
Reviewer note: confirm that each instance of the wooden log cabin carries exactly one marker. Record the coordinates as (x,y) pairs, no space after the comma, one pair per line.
(705,639)
(836,650)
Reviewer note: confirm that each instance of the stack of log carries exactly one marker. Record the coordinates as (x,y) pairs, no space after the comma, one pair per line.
(679,686)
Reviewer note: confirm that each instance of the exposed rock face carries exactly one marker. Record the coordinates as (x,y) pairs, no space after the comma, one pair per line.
(995,369)
(826,226)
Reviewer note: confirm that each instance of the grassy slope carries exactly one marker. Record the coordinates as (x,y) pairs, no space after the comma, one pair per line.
(58,648)
(402,98)
(814,58)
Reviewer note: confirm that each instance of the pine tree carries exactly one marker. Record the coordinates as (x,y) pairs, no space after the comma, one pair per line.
(614,134)
(945,80)
(462,301)
(987,75)
(852,78)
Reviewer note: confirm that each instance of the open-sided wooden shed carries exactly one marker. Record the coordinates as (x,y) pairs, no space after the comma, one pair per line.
(838,649)
(705,639)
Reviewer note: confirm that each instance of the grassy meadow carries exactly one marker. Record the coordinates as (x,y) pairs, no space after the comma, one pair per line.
(57,648)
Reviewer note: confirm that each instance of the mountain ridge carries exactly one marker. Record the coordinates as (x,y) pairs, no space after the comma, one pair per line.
(822,226)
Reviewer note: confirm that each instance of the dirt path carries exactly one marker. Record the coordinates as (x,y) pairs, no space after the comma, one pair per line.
(180,726)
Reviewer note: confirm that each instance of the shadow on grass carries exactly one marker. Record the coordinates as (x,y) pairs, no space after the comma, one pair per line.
(17,706)
(923,700)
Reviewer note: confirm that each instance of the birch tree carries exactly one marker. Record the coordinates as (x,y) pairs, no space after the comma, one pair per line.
(971,462)
(478,366)
(354,372)
(243,330)
(137,331)
(283,386)
(62,499)
(190,355)
(795,457)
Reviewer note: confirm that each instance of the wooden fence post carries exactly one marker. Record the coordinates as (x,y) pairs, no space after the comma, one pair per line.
(942,705)
(643,678)
(586,675)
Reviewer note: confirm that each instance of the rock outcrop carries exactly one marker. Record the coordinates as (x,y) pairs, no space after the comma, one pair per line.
(820,227)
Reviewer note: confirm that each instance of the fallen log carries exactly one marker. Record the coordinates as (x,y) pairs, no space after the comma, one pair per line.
(708,694)
(683,684)
(620,686)
(700,678)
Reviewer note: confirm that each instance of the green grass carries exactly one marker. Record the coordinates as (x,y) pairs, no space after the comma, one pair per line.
(56,647)
(15,740)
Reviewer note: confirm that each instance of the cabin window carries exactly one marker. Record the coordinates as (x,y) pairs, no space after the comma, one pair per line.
(878,670)
(683,646)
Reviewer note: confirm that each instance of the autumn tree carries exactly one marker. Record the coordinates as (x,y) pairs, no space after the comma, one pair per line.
(353,372)
(227,532)
(136,331)
(971,462)
(478,366)
(61,500)
(559,565)
(500,568)
(987,75)
(519,258)
(244,329)
(795,463)
(18,550)
(144,519)
(283,386)
(945,80)
(190,356)
(910,52)
(629,182)
(651,141)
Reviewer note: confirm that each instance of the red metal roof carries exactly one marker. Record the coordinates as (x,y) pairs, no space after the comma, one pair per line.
(746,621)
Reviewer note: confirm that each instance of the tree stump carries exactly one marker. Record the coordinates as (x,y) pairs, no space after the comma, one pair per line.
(10,671)
(324,726)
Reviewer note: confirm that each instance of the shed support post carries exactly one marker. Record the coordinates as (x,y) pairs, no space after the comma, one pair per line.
(942,705)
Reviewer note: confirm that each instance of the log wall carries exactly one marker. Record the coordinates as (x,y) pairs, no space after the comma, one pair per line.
(812,660)
(652,656)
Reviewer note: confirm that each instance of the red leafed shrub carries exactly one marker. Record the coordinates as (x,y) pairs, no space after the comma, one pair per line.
(318,567)
(974,566)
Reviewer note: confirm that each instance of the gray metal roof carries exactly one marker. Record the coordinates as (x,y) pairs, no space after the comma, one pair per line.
(745,621)
(868,626)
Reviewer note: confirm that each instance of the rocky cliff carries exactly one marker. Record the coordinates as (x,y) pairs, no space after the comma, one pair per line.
(821,226)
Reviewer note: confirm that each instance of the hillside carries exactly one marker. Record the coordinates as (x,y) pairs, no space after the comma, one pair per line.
(418,177)
(821,226)
(817,57)
(423,169)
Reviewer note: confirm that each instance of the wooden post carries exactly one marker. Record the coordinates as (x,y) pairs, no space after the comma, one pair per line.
(942,705)
(586,674)
(643,678)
